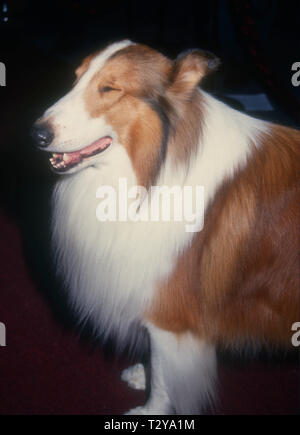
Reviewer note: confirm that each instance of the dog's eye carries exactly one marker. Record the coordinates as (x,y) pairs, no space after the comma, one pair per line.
(107,89)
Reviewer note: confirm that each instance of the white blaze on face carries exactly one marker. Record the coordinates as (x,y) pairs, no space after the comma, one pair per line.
(73,127)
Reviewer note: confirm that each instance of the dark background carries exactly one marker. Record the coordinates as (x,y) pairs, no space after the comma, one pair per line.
(46,367)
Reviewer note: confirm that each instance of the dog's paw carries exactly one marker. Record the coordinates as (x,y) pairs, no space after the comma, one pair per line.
(139,410)
(135,377)
(150,409)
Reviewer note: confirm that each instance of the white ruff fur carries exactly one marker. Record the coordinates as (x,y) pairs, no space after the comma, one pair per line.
(112,269)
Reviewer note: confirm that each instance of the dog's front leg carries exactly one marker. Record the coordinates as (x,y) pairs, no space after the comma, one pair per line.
(183,373)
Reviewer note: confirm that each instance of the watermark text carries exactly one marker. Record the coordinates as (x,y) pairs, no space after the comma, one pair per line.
(296,336)
(296,75)
(156,204)
(2,74)
(2,335)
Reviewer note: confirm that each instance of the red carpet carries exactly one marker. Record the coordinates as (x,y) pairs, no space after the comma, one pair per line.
(44,369)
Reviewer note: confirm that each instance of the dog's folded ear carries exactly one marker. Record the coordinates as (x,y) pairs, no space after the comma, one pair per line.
(189,69)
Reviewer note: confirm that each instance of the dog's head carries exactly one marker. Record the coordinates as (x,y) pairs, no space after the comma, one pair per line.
(128,94)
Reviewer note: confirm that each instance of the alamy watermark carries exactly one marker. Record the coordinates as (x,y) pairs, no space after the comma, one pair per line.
(156,204)
(2,74)
(2,334)
(296,75)
(296,336)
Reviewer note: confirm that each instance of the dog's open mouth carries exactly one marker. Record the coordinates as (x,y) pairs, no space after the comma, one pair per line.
(62,162)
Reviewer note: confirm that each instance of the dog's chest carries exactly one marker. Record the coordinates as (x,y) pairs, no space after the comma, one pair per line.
(112,268)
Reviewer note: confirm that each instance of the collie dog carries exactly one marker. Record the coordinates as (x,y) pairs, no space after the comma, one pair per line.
(134,114)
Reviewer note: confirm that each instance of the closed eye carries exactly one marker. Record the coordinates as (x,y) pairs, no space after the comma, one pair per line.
(108,89)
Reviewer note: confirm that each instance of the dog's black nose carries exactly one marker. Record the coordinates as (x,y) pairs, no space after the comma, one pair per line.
(42,134)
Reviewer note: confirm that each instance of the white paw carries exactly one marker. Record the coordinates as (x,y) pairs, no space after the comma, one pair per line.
(150,409)
(135,377)
(139,410)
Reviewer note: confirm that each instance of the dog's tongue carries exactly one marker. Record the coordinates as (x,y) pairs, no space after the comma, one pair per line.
(88,151)
(64,161)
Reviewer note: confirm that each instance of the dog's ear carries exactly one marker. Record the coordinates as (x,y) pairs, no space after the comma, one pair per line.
(189,68)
